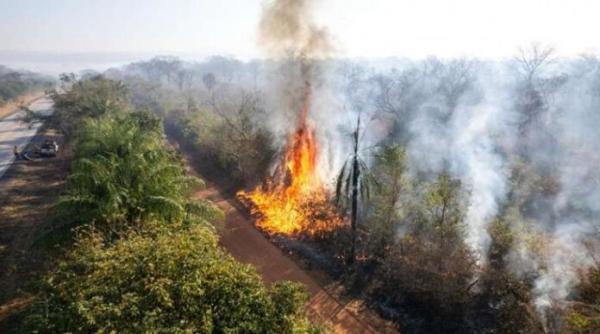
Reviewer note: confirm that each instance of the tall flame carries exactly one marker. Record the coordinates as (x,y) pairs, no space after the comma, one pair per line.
(295,200)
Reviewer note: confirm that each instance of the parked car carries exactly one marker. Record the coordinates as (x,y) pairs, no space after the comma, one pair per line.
(49,148)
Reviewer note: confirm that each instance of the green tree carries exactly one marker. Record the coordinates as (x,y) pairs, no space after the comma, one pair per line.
(442,219)
(388,169)
(227,133)
(430,269)
(504,297)
(123,175)
(174,280)
(16,83)
(79,100)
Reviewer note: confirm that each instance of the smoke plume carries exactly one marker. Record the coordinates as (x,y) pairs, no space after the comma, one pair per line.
(299,76)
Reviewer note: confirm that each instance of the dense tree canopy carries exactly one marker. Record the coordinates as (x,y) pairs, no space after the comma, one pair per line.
(79,100)
(163,281)
(123,174)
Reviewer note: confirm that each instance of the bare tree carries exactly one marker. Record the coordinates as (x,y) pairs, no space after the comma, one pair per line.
(532,98)
(532,60)
(352,183)
(455,79)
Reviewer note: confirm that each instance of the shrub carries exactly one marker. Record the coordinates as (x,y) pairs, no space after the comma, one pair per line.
(167,281)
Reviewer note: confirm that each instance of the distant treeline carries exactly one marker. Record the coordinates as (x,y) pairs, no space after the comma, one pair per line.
(15,83)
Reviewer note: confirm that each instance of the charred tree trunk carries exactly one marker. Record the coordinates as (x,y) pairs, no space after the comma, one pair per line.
(354,201)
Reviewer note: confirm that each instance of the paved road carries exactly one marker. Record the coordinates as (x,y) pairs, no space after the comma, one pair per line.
(13,131)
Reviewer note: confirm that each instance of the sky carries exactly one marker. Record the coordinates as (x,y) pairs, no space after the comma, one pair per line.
(361,28)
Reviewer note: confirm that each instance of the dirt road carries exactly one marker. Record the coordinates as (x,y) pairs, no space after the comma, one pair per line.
(14,132)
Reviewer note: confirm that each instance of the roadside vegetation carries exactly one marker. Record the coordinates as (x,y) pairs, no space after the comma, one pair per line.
(145,255)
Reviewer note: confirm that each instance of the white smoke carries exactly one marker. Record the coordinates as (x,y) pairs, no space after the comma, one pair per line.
(472,132)
(576,207)
(468,145)
(567,255)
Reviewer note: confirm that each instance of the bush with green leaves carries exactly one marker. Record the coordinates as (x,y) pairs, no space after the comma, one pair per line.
(164,280)
(123,175)
(388,200)
(429,271)
(583,311)
(229,136)
(85,99)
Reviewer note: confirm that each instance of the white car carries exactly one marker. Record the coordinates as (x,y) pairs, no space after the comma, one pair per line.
(49,148)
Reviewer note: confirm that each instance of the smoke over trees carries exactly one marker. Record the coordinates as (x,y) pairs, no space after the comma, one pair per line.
(512,146)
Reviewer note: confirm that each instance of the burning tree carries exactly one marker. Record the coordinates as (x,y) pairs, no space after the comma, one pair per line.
(295,200)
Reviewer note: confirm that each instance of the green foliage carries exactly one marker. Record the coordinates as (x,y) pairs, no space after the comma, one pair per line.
(429,271)
(578,323)
(228,135)
(507,301)
(80,100)
(123,175)
(442,214)
(146,259)
(388,169)
(167,281)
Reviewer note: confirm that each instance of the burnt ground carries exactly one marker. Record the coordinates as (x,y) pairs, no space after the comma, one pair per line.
(27,191)
(328,303)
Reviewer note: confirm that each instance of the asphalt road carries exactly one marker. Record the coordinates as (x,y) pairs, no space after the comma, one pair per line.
(14,132)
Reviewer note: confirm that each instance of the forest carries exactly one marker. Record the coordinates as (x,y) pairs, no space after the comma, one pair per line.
(465,233)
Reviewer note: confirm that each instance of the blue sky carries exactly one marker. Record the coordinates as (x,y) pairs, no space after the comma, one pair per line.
(129,25)
(369,28)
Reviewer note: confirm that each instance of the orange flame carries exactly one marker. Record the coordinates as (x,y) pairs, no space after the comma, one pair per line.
(296,202)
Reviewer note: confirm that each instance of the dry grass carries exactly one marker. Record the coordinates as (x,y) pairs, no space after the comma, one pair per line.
(28,190)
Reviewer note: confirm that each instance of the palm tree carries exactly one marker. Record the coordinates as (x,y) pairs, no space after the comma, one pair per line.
(123,176)
(352,182)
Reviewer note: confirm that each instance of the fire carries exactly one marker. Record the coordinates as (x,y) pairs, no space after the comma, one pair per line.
(295,201)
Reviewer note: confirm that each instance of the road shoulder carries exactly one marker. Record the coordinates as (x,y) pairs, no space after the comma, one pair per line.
(29,189)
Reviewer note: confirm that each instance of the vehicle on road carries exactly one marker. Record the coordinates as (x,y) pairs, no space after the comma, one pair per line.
(49,148)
